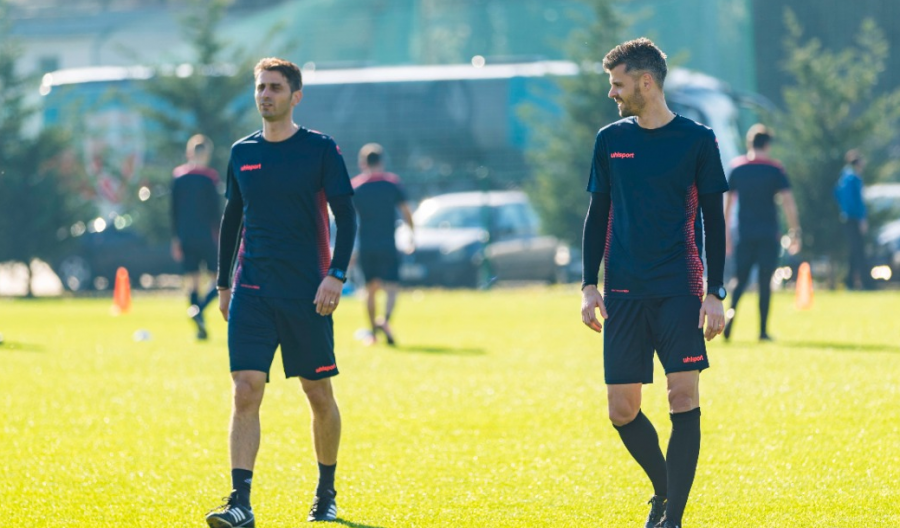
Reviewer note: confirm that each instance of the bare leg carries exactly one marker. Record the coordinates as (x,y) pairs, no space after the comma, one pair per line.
(244,433)
(326,419)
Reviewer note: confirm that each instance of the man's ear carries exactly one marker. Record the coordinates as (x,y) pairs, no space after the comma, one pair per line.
(647,80)
(296,97)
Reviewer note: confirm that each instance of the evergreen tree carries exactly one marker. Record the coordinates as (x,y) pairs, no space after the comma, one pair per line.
(830,108)
(210,93)
(37,176)
(562,159)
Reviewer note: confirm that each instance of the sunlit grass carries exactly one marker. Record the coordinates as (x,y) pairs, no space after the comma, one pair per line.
(491,412)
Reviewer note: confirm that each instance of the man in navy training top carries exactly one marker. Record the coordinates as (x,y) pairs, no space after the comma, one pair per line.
(377,198)
(849,194)
(651,172)
(278,284)
(754,183)
(196,212)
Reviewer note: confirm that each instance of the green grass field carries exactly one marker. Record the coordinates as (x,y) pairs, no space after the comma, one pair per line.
(492,412)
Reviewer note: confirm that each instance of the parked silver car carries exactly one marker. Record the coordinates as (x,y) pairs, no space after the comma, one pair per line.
(473,239)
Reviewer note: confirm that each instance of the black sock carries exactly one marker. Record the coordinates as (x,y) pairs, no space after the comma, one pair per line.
(240,481)
(681,460)
(195,298)
(326,479)
(210,295)
(765,296)
(642,442)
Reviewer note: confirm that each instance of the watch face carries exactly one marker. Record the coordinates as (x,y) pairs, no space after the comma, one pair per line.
(721,292)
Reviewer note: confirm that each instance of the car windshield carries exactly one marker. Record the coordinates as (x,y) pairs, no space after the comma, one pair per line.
(452,217)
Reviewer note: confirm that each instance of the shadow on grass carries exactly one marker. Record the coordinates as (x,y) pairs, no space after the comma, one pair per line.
(843,347)
(434,349)
(352,524)
(9,346)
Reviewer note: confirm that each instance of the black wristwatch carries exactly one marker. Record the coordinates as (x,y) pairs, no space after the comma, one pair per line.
(340,275)
(719,292)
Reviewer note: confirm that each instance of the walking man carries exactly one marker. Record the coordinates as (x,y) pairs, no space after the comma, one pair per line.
(377,198)
(756,180)
(278,284)
(849,194)
(196,211)
(651,172)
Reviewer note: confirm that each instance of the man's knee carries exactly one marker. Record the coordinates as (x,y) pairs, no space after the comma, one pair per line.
(684,395)
(248,392)
(623,413)
(624,403)
(319,394)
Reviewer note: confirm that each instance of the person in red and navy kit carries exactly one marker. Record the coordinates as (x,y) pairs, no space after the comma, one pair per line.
(196,211)
(278,282)
(654,174)
(756,180)
(378,196)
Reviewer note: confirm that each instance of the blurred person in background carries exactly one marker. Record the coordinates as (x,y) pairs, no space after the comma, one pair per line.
(849,195)
(755,184)
(653,174)
(196,213)
(278,281)
(378,196)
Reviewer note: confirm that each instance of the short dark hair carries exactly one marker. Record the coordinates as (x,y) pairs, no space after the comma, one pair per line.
(853,157)
(198,144)
(372,153)
(287,68)
(640,55)
(759,136)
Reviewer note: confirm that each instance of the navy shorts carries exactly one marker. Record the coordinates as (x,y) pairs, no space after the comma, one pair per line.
(382,264)
(196,252)
(638,327)
(258,325)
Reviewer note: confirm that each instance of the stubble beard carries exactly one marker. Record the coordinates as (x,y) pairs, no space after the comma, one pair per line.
(632,106)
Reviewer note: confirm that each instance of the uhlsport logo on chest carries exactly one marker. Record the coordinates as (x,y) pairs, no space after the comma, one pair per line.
(248,167)
(622,155)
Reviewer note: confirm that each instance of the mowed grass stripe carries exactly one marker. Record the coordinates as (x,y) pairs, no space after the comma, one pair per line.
(491,412)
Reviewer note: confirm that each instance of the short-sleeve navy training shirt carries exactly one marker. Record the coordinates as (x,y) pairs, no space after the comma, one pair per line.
(654,178)
(756,183)
(376,198)
(196,209)
(284,186)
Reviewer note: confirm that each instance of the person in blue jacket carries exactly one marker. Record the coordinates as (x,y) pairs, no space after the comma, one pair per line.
(849,195)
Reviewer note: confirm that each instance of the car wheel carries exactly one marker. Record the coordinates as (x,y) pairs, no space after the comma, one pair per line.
(75,273)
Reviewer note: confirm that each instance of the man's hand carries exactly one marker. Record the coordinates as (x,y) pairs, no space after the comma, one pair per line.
(224,301)
(591,300)
(328,296)
(714,313)
(796,242)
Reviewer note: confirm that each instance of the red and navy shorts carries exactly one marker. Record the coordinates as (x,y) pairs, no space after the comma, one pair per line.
(637,328)
(258,325)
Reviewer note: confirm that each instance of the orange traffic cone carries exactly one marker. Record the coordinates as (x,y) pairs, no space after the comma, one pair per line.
(122,292)
(804,297)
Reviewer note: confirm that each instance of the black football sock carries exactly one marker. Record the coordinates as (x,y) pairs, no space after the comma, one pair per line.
(642,442)
(681,461)
(326,479)
(765,296)
(240,481)
(210,296)
(195,298)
